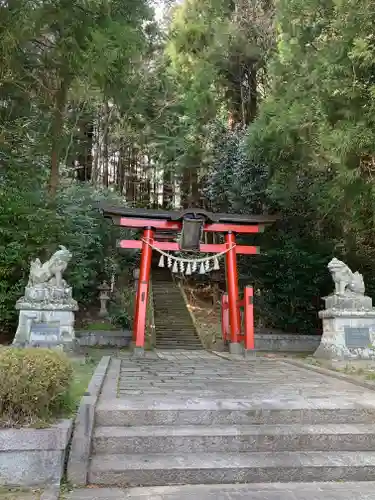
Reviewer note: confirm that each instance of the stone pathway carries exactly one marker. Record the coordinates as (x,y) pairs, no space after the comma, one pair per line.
(191,417)
(292,491)
(266,382)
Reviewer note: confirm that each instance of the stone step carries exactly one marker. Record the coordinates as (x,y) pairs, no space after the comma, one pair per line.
(180,329)
(363,490)
(168,347)
(169,411)
(180,333)
(163,305)
(176,344)
(183,341)
(175,340)
(220,468)
(177,318)
(165,287)
(176,335)
(173,327)
(169,318)
(173,314)
(200,438)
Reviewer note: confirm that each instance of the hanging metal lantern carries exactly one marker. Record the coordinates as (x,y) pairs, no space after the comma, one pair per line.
(192,229)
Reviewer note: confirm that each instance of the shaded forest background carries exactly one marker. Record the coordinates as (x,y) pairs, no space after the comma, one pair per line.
(245,106)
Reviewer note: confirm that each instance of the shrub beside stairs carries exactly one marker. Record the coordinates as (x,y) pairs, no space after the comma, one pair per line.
(174,326)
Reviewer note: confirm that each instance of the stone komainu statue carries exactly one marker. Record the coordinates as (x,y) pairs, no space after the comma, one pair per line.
(50,273)
(346,282)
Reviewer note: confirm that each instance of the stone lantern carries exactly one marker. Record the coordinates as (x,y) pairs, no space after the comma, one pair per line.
(104,296)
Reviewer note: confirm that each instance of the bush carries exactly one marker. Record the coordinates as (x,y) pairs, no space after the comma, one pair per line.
(34,385)
(122,310)
(31,227)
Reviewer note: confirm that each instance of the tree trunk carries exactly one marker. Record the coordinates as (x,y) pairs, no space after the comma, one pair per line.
(130,191)
(95,161)
(84,143)
(167,189)
(185,188)
(105,145)
(57,126)
(121,170)
(253,96)
(195,191)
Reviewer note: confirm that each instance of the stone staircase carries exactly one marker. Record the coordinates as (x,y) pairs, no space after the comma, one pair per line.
(214,436)
(173,324)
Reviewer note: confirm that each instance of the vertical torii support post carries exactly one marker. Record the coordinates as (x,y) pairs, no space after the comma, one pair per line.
(233,298)
(139,325)
(225,317)
(249,339)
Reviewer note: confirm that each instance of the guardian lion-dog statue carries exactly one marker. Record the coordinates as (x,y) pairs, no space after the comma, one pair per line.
(346,282)
(50,273)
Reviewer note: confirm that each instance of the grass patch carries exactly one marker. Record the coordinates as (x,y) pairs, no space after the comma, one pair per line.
(97,326)
(95,353)
(20,493)
(82,373)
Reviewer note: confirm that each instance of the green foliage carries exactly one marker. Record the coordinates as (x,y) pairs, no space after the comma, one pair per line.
(308,156)
(121,311)
(58,63)
(30,228)
(289,275)
(90,237)
(35,384)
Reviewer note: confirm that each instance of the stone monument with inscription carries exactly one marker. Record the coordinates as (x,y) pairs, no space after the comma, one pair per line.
(46,311)
(348,317)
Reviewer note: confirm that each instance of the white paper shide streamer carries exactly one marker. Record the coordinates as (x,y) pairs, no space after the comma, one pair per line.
(187,266)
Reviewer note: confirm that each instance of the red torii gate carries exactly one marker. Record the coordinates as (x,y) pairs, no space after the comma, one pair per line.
(229,224)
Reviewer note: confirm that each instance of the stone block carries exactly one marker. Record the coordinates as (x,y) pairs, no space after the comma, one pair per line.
(283,342)
(353,302)
(34,457)
(110,338)
(244,438)
(211,468)
(254,491)
(83,427)
(341,331)
(236,348)
(29,320)
(222,412)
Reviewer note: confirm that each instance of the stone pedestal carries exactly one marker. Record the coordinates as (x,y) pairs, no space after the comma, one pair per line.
(46,318)
(348,328)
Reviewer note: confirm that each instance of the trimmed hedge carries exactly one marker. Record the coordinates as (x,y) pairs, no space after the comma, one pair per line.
(34,386)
